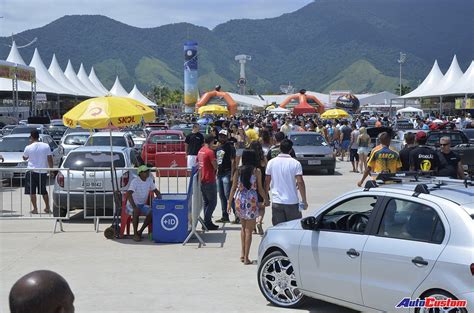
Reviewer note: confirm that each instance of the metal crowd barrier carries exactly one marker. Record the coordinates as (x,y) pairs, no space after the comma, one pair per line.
(89,189)
(15,204)
(97,195)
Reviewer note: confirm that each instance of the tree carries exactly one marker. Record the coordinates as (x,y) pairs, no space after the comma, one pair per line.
(164,96)
(405,90)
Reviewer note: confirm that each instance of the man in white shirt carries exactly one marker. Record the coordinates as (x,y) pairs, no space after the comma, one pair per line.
(38,154)
(137,196)
(283,174)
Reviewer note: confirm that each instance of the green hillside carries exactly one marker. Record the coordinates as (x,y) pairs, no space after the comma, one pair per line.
(362,77)
(327,44)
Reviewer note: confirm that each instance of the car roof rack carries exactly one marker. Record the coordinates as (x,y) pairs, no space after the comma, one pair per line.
(424,178)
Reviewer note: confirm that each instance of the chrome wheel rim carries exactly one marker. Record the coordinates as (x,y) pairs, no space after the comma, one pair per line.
(440,310)
(278,281)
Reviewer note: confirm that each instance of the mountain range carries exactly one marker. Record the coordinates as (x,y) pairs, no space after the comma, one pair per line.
(326,45)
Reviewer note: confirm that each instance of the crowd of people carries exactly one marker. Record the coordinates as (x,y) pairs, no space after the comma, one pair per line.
(244,164)
(247,161)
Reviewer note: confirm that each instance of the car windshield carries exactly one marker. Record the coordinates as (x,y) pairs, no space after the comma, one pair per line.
(57,130)
(163,138)
(23,130)
(105,141)
(137,133)
(308,140)
(469,133)
(433,138)
(76,139)
(78,160)
(14,144)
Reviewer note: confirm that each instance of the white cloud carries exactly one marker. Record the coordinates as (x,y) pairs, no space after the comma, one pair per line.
(20,15)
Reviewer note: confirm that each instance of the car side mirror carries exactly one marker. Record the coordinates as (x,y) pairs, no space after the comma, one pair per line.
(310,223)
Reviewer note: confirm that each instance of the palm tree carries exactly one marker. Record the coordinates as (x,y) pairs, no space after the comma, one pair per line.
(405,90)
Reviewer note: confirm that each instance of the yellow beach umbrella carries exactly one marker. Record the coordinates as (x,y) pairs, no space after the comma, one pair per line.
(213,109)
(334,113)
(103,112)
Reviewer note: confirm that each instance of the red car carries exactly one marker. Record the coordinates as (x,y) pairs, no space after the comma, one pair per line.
(163,143)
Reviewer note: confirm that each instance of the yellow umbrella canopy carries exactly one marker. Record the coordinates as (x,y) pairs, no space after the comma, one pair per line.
(334,113)
(213,109)
(103,112)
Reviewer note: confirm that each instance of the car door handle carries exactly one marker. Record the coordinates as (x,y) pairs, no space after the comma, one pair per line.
(352,253)
(419,261)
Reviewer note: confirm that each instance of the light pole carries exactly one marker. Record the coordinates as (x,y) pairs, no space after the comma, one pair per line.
(401,60)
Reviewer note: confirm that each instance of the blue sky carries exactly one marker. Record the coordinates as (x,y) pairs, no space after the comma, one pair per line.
(20,15)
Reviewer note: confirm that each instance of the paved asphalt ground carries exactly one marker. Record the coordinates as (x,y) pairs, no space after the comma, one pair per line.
(125,276)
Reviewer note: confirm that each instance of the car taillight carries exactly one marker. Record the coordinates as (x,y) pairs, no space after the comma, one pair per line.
(151,148)
(60,179)
(472,269)
(124,180)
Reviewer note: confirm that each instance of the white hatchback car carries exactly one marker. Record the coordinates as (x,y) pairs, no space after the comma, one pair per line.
(377,249)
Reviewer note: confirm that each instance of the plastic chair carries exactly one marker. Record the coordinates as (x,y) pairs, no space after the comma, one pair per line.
(126,219)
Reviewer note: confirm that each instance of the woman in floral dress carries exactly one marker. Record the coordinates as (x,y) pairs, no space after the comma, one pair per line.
(246,185)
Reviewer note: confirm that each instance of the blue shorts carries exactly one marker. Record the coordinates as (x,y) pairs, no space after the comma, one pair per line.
(345,144)
(144,209)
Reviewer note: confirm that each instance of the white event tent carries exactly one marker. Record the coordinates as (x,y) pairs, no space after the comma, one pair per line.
(54,80)
(433,78)
(465,84)
(454,82)
(84,79)
(71,75)
(137,95)
(15,57)
(58,74)
(118,90)
(450,79)
(96,82)
(45,76)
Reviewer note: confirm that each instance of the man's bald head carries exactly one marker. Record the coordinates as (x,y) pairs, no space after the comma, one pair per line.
(41,291)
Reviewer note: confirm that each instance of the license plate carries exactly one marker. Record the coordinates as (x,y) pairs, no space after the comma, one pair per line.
(92,184)
(314,162)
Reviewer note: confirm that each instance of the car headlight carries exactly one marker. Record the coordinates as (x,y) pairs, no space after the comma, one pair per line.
(329,155)
(22,164)
(298,155)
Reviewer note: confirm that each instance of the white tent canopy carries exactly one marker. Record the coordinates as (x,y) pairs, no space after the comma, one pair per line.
(137,95)
(43,75)
(410,110)
(71,75)
(432,80)
(96,82)
(58,74)
(465,85)
(118,90)
(451,77)
(15,57)
(82,75)
(247,100)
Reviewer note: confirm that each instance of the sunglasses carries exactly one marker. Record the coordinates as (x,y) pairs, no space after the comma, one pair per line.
(444,144)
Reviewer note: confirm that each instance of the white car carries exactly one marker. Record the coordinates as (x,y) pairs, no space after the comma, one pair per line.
(13,146)
(82,179)
(73,141)
(119,139)
(377,249)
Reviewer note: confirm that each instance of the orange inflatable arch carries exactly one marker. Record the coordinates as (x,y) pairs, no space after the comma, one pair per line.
(302,99)
(231,104)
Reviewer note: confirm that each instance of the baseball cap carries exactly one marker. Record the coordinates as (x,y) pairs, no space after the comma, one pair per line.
(223,132)
(142,168)
(420,135)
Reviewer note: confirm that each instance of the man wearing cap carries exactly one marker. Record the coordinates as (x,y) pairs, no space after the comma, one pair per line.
(225,155)
(423,158)
(137,196)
